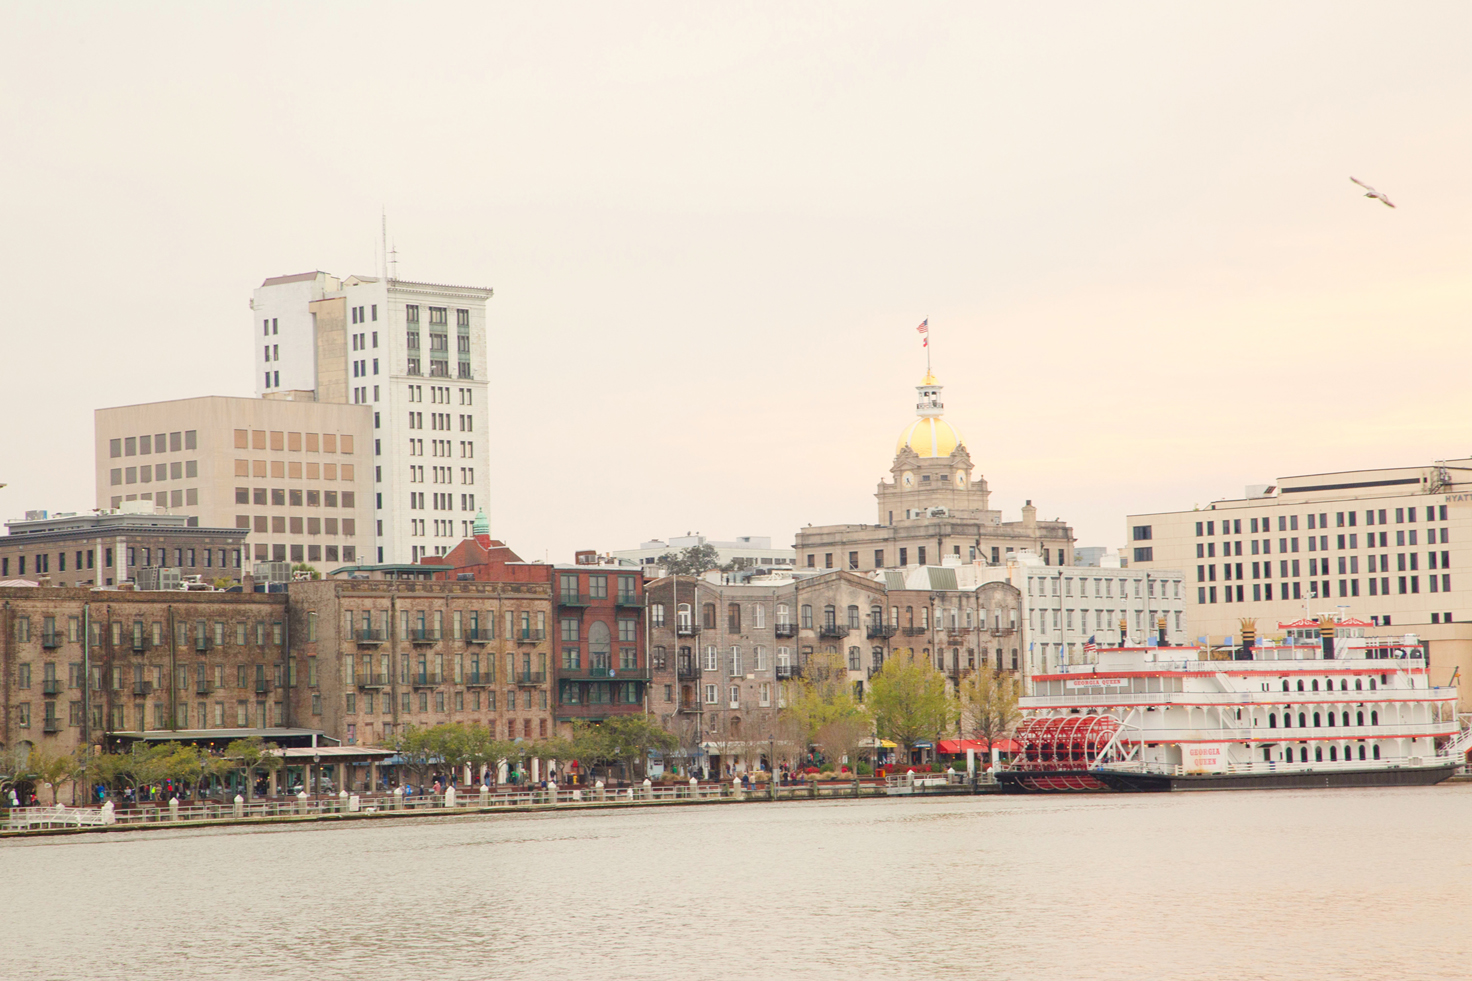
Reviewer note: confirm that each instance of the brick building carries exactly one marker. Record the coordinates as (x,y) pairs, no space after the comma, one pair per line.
(106,549)
(78,664)
(599,654)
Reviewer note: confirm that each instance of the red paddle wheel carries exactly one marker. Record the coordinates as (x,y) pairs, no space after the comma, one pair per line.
(1062,742)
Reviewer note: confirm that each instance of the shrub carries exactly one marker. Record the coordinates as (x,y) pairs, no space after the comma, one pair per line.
(865,770)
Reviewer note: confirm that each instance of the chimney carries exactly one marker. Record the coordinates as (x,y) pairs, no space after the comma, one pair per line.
(1326,634)
(1029,514)
(1160,629)
(1124,626)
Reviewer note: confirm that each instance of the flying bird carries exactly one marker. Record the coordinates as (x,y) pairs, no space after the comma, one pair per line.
(1370,192)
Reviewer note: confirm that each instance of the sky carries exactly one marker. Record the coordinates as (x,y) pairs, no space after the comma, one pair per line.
(712,230)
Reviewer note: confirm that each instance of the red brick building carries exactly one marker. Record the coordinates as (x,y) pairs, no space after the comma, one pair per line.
(600,658)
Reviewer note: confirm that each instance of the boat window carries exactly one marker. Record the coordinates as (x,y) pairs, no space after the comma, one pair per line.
(1362,751)
(1384,679)
(1272,721)
(1346,718)
(1375,721)
(1375,751)
(1302,754)
(1359,684)
(1372,684)
(1285,684)
(1302,720)
(1344,684)
(1316,720)
(1300,684)
(1318,754)
(1333,754)
(1316,684)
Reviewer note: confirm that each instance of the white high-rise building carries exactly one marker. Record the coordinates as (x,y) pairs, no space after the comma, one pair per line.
(416,354)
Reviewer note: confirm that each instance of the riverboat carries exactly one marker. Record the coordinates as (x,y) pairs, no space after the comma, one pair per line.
(1328,706)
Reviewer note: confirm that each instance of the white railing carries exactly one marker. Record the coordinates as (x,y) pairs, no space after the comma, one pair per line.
(1265,766)
(1379,696)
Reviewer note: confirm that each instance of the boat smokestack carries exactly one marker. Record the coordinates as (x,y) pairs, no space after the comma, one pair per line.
(1326,634)
(1124,625)
(1160,629)
(1249,637)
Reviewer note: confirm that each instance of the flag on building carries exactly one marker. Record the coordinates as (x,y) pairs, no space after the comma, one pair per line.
(1091,647)
(924,329)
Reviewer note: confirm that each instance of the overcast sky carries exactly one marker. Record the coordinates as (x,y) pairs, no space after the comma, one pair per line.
(712,230)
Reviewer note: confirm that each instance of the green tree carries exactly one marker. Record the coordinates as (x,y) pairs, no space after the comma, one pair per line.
(54,769)
(254,754)
(691,561)
(988,701)
(823,697)
(910,701)
(304,571)
(630,738)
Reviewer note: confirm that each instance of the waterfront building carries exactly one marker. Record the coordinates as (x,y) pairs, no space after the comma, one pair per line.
(743,552)
(414,354)
(82,665)
(107,548)
(297,476)
(1383,545)
(599,662)
(932,510)
(380,649)
(958,617)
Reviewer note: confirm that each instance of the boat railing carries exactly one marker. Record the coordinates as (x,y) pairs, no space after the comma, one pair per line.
(1276,766)
(1379,696)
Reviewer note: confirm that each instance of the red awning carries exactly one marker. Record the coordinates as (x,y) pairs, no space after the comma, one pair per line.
(956,746)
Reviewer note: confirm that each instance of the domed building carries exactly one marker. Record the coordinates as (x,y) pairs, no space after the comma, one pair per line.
(933,510)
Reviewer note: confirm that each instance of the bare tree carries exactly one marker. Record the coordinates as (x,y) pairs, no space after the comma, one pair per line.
(989,705)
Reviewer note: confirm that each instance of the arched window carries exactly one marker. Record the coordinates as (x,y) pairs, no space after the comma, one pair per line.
(1346,718)
(1302,720)
(1375,721)
(1272,721)
(1359,686)
(733,618)
(1318,754)
(830,615)
(1362,750)
(853,618)
(853,659)
(909,616)
(784,615)
(1359,718)
(1285,684)
(876,616)
(1344,684)
(925,617)
(1300,684)
(807,616)
(1316,684)
(1333,754)
(1375,751)
(1302,754)
(1316,720)
(600,646)
(682,615)
(708,616)
(1372,684)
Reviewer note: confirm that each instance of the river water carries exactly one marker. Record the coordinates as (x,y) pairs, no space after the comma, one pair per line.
(1271,884)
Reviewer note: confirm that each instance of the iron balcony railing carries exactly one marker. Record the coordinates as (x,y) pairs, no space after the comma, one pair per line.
(688,670)
(373,681)
(143,688)
(832,630)
(203,644)
(370,636)
(425,680)
(479,636)
(531,677)
(789,671)
(261,685)
(530,636)
(477,679)
(915,631)
(52,638)
(687,629)
(203,688)
(630,600)
(51,686)
(881,631)
(574,599)
(51,724)
(424,635)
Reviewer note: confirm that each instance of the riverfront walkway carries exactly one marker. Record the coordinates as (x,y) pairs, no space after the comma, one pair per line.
(350,807)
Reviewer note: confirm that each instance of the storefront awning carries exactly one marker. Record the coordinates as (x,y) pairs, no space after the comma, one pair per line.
(980,745)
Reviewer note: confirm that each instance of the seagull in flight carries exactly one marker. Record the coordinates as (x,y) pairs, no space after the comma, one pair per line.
(1370,192)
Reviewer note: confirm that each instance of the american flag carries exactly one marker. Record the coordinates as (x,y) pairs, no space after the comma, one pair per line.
(1091,647)
(924,329)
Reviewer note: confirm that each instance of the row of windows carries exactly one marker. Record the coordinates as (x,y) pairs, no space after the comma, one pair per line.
(430,669)
(303,553)
(570,585)
(1289,522)
(280,525)
(598,632)
(280,441)
(178,470)
(443,701)
(1104,587)
(153,443)
(601,693)
(1404,562)
(904,556)
(1103,620)
(476,625)
(1303,718)
(294,470)
(1323,589)
(438,316)
(141,634)
(41,562)
(1320,543)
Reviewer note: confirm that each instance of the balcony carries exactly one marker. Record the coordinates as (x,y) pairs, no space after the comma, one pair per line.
(574,599)
(51,686)
(477,680)
(373,681)
(52,639)
(531,677)
(789,671)
(687,630)
(51,724)
(688,670)
(832,631)
(424,635)
(140,645)
(530,636)
(203,688)
(631,601)
(875,669)
(882,631)
(605,673)
(425,680)
(786,630)
(261,686)
(369,637)
(479,637)
(916,631)
(596,710)
(143,688)
(690,706)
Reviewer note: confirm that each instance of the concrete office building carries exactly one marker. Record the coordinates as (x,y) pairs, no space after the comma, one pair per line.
(932,510)
(106,548)
(415,355)
(297,475)
(1388,546)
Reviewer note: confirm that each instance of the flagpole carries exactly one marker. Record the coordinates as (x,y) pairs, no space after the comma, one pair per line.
(927,344)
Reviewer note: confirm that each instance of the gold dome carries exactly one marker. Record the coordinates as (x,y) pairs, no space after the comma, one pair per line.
(929,438)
